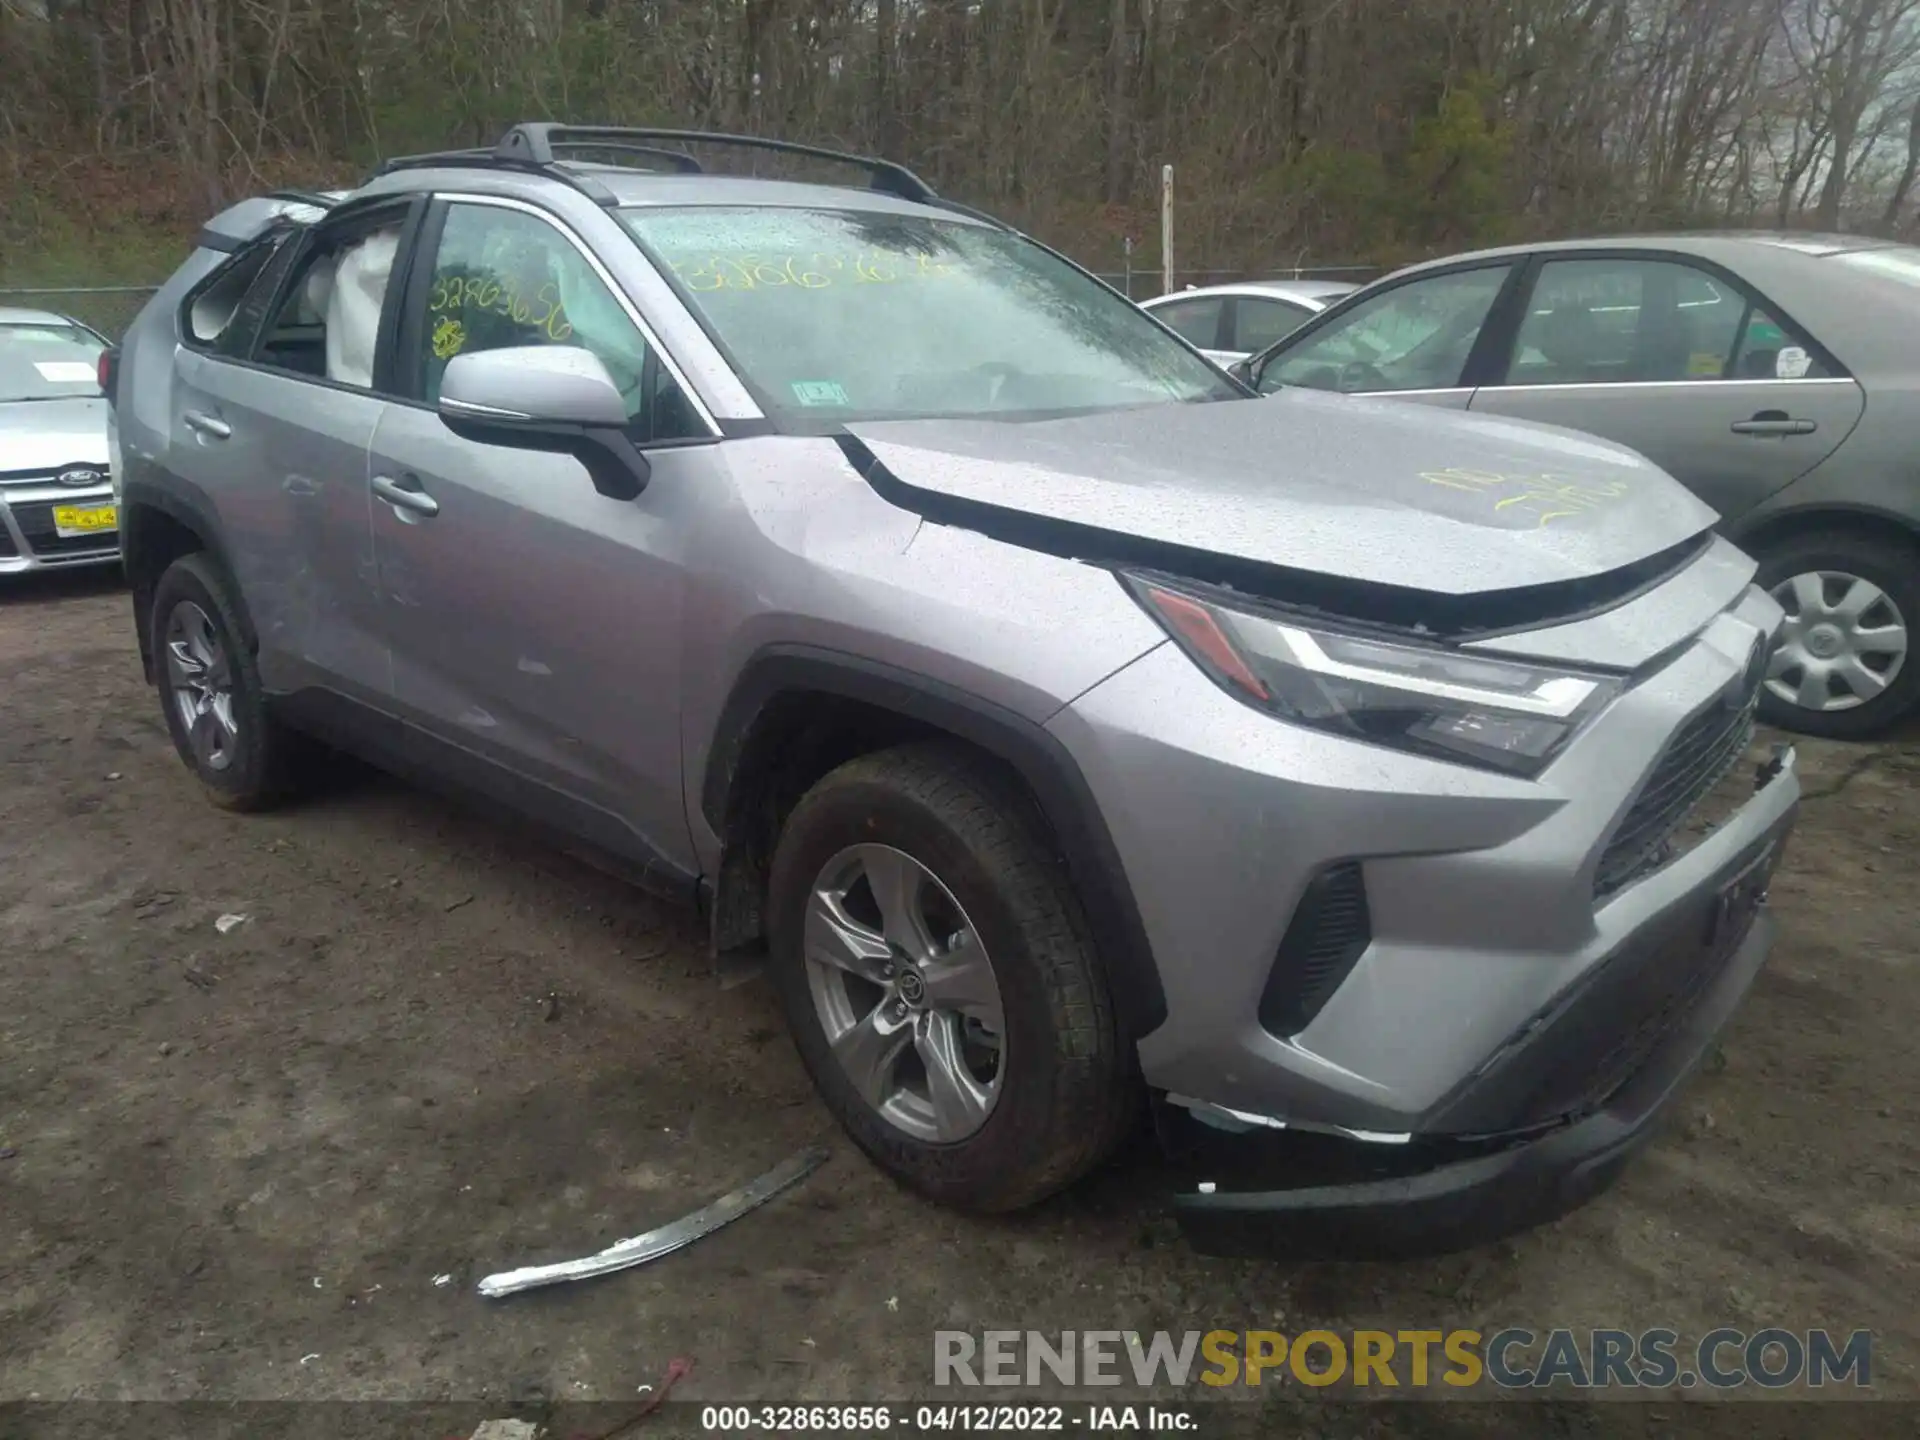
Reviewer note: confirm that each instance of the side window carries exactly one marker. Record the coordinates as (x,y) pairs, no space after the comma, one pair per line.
(326,320)
(1769,351)
(1599,321)
(224,312)
(1415,336)
(1195,321)
(504,278)
(1258,324)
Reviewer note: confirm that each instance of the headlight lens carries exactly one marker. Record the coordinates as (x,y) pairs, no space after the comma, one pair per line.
(1499,714)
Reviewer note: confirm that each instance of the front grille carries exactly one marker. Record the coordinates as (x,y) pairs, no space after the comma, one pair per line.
(1696,759)
(37,528)
(1330,930)
(7,548)
(21,479)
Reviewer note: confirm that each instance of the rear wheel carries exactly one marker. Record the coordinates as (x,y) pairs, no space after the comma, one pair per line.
(210,691)
(1842,668)
(937,978)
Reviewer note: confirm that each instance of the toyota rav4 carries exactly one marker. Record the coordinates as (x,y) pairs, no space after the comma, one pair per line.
(1369,795)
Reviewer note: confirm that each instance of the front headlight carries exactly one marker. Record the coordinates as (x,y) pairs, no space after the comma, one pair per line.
(1501,714)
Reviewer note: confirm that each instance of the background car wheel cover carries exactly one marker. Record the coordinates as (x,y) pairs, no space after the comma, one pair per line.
(1843,643)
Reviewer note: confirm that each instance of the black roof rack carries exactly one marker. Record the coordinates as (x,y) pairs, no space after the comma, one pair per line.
(494,160)
(536,142)
(304,197)
(537,147)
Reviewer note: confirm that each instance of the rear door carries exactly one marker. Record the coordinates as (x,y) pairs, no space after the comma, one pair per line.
(1202,322)
(1682,362)
(535,623)
(272,424)
(1417,339)
(1259,322)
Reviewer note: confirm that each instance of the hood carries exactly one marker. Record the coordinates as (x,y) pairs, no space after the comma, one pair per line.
(43,435)
(1378,492)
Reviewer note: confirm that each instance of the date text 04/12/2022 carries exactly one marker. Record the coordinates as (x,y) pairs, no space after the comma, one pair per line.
(945,1419)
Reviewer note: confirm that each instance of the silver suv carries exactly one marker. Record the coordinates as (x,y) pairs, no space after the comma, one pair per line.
(1366,793)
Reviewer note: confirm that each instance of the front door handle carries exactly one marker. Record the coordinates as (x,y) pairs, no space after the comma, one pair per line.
(1773,422)
(405,494)
(212,426)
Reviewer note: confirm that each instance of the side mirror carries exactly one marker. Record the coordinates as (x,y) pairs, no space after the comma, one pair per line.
(555,398)
(1242,370)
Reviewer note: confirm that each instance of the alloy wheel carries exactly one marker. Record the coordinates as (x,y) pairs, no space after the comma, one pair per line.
(905,992)
(200,679)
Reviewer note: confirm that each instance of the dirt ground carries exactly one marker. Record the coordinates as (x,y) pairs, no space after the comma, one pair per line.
(235,1163)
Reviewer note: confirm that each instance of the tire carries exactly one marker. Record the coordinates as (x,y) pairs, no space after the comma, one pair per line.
(1892,568)
(1065,1091)
(254,764)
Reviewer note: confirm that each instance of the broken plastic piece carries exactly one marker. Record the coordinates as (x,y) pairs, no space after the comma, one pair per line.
(640,1249)
(227,922)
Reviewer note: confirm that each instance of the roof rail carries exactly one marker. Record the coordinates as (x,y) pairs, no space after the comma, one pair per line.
(303,197)
(494,160)
(536,147)
(535,142)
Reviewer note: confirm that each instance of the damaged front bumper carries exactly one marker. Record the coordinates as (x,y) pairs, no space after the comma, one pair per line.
(1283,1194)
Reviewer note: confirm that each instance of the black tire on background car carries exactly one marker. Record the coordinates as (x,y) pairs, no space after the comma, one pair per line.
(1844,669)
(210,693)
(936,974)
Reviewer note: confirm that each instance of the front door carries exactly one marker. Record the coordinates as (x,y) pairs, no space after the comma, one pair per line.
(1411,341)
(1681,364)
(535,624)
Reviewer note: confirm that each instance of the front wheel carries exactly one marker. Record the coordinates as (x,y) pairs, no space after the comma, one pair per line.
(1842,668)
(937,977)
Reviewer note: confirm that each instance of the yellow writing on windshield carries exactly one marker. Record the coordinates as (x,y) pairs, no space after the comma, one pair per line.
(1548,497)
(449,335)
(465,294)
(817,271)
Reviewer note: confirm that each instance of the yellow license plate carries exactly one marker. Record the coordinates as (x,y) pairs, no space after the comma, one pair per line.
(71,520)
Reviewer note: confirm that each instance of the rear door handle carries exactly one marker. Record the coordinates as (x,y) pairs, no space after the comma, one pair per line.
(1774,422)
(212,426)
(405,494)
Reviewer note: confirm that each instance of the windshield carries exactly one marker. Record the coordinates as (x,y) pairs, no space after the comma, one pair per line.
(49,361)
(830,316)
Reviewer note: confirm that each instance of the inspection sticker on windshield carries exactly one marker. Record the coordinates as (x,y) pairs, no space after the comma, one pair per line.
(820,392)
(65,372)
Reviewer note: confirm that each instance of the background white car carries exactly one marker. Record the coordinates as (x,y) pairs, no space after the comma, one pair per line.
(1231,322)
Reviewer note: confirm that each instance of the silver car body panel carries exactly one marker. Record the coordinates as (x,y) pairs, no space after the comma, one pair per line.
(1480,887)
(1360,490)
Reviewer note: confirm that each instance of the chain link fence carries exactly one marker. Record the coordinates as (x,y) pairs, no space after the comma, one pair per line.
(107,308)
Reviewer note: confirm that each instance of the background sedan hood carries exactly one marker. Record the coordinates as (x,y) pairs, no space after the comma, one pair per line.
(41,435)
(1386,492)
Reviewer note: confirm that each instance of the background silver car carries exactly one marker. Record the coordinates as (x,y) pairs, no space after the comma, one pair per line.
(1231,322)
(56,500)
(1772,374)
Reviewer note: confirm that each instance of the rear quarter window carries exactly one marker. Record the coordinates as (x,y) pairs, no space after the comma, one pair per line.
(222,311)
